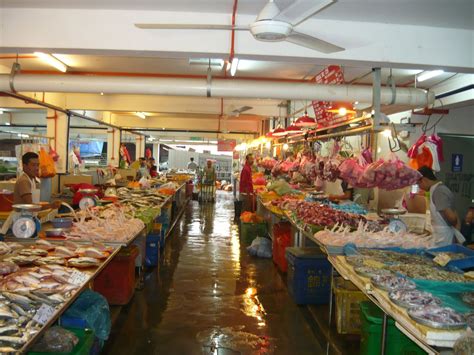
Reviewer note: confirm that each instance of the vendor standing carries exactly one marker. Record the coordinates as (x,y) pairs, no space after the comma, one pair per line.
(444,219)
(246,185)
(26,190)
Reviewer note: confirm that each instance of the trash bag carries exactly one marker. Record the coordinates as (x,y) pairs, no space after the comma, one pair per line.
(47,169)
(56,340)
(94,309)
(260,247)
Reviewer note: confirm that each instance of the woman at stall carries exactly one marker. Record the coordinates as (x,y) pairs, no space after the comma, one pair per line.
(445,222)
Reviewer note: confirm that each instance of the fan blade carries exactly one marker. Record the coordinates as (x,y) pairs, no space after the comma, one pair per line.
(244,108)
(310,42)
(300,10)
(177,26)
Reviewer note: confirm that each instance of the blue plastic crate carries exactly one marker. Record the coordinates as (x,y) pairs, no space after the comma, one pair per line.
(465,263)
(152,255)
(164,230)
(66,321)
(309,276)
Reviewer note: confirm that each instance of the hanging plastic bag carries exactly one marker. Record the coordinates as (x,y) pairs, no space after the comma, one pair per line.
(47,169)
(54,155)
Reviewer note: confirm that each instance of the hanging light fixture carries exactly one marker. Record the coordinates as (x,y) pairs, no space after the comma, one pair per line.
(305,121)
(342,109)
(279,132)
(292,129)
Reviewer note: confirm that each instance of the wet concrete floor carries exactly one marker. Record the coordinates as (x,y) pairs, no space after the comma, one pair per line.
(209,297)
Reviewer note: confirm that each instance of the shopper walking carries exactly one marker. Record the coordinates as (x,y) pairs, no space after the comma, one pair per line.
(192,165)
(246,195)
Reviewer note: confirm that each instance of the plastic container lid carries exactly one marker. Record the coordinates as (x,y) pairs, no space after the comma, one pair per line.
(305,253)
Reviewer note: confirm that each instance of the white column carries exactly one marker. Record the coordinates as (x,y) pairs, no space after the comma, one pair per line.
(156,152)
(139,147)
(57,126)
(113,147)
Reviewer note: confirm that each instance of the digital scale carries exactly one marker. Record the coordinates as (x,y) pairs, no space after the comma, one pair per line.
(89,198)
(395,225)
(26,225)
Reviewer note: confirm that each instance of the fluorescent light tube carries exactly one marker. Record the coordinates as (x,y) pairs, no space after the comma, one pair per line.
(429,75)
(234,65)
(141,115)
(54,62)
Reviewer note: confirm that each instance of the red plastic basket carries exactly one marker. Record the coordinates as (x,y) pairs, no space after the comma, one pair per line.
(117,281)
(281,240)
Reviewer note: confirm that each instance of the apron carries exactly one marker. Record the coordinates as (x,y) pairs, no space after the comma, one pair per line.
(35,192)
(442,232)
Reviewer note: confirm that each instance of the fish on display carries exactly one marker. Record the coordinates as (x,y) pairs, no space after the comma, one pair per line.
(33,252)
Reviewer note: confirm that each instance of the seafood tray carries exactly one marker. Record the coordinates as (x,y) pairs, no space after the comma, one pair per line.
(367,271)
(391,282)
(32,297)
(438,317)
(461,257)
(413,298)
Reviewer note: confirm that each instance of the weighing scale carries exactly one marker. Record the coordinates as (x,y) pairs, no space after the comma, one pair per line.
(395,225)
(89,198)
(26,225)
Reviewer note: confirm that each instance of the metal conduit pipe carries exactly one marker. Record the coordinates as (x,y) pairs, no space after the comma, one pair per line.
(222,88)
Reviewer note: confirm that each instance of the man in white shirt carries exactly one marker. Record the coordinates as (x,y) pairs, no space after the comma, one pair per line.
(192,165)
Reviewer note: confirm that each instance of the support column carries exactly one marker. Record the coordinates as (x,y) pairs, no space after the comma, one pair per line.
(57,127)
(113,147)
(156,152)
(139,147)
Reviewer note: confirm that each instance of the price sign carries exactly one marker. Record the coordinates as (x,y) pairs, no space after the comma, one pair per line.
(78,278)
(331,75)
(44,314)
(442,259)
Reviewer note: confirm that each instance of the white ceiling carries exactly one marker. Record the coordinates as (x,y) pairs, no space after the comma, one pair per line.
(180,66)
(436,13)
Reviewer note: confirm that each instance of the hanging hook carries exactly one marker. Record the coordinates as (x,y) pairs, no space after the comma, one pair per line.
(396,146)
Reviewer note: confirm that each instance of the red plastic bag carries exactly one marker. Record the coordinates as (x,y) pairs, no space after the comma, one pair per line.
(47,169)
(54,155)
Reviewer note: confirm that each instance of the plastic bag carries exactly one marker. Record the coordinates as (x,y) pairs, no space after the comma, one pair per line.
(47,169)
(56,340)
(54,155)
(281,187)
(94,309)
(260,247)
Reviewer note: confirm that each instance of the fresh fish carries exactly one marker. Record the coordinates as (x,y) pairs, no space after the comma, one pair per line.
(84,262)
(13,340)
(44,244)
(18,309)
(7,349)
(22,259)
(57,298)
(4,248)
(33,252)
(51,260)
(94,253)
(63,251)
(27,280)
(9,329)
(38,299)
(19,299)
(7,313)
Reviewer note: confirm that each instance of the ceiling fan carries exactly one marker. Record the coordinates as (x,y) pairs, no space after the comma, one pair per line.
(271,25)
(236,112)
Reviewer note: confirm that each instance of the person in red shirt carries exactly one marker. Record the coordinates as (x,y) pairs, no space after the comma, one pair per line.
(246,185)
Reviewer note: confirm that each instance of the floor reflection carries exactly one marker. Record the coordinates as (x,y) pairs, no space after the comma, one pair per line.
(210,297)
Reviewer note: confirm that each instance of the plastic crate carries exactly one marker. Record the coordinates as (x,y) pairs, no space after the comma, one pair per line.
(371,337)
(250,231)
(152,255)
(117,281)
(281,241)
(156,228)
(309,276)
(347,297)
(465,263)
(72,322)
(83,347)
(165,216)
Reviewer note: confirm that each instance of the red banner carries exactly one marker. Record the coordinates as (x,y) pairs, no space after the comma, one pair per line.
(330,75)
(226,145)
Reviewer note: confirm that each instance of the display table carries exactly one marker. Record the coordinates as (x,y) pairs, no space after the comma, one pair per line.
(429,339)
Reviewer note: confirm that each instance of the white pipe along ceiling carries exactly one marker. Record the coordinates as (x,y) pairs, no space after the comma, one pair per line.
(221,88)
